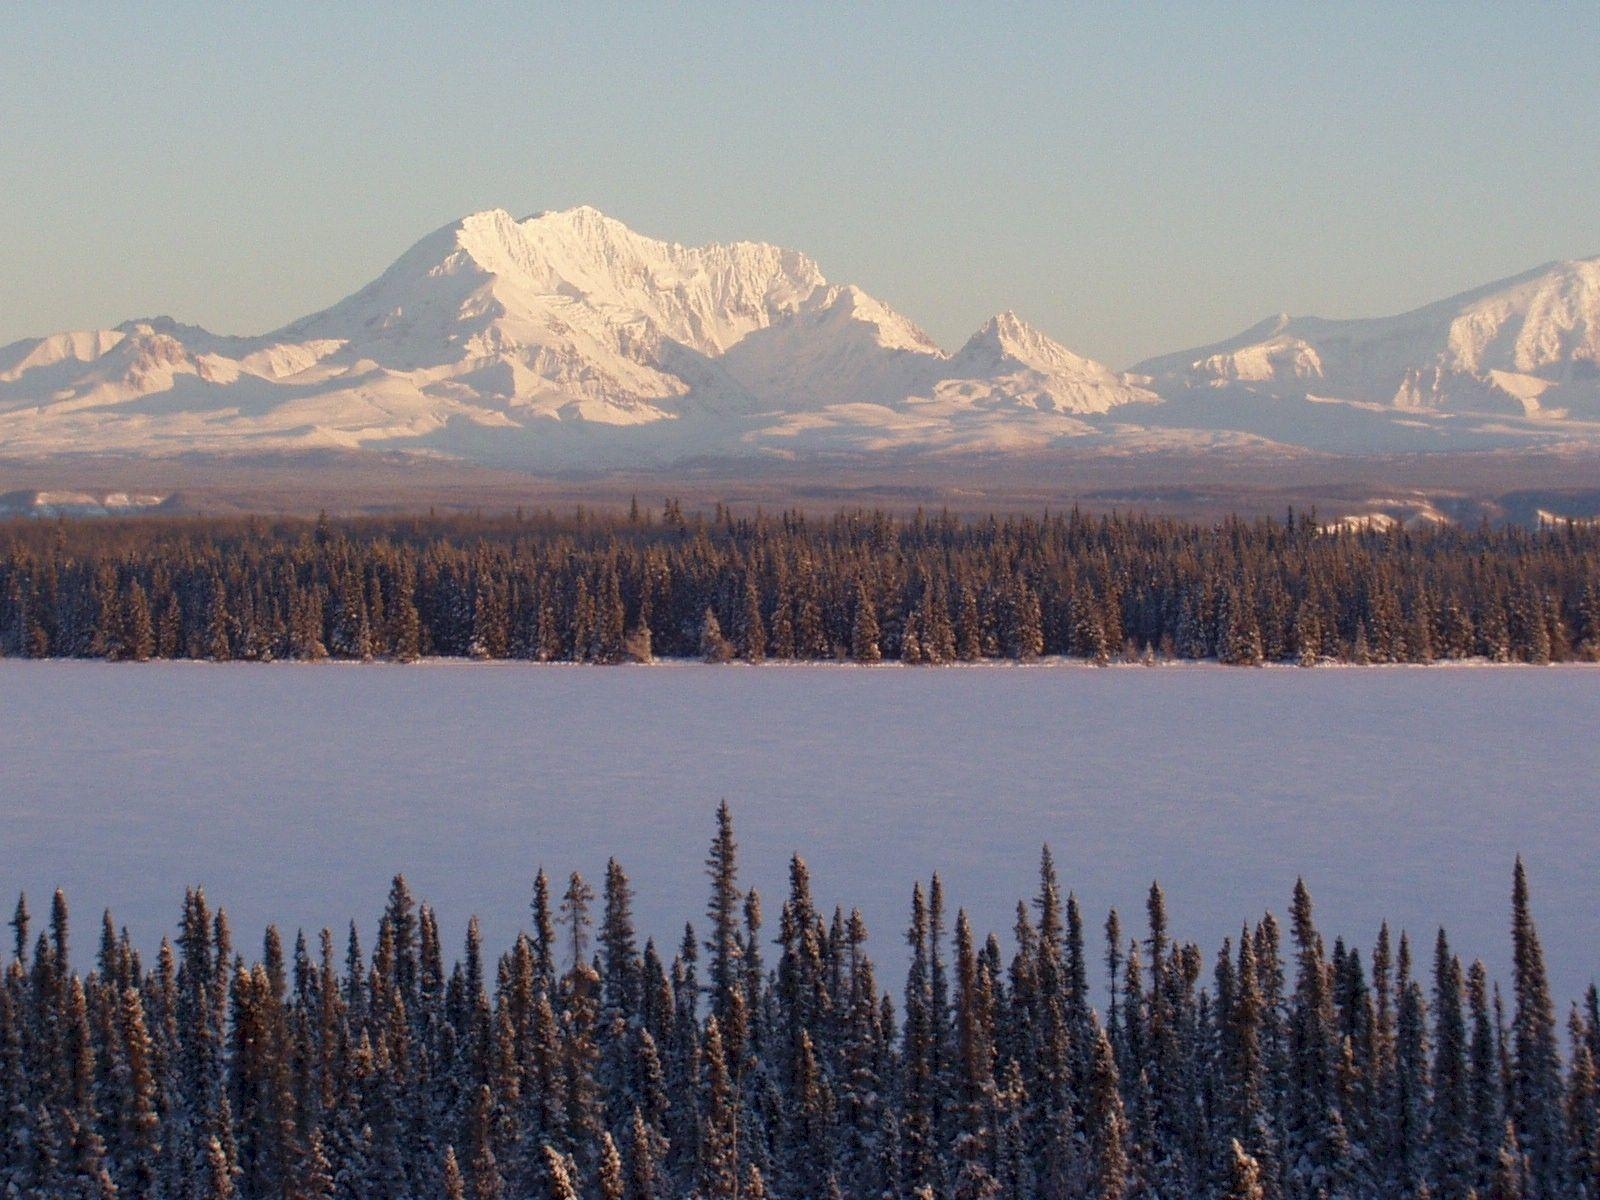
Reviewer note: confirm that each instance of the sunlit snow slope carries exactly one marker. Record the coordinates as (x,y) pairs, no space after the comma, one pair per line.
(568,339)
(1525,346)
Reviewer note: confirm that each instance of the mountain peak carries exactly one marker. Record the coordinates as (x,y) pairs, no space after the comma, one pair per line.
(578,213)
(580,221)
(561,284)
(1271,326)
(1006,340)
(1022,366)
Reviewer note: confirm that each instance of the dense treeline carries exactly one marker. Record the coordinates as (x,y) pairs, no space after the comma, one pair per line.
(580,1065)
(858,586)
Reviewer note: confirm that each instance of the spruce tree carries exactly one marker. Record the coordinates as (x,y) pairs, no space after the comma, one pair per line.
(1582,1114)
(219,1173)
(487,1183)
(137,1115)
(611,619)
(714,648)
(1244,1176)
(1411,1075)
(1536,1075)
(864,629)
(314,1177)
(453,1186)
(609,1181)
(575,904)
(918,1124)
(621,969)
(1107,1126)
(1484,1089)
(718,1171)
(751,631)
(1450,1127)
(560,1176)
(1509,1180)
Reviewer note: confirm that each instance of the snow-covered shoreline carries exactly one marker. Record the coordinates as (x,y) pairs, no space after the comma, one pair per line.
(1045,663)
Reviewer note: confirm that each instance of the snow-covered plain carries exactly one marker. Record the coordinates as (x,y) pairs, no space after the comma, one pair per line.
(294,792)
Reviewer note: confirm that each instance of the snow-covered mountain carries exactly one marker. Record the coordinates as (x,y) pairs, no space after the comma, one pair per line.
(567,339)
(565,336)
(1528,346)
(1010,364)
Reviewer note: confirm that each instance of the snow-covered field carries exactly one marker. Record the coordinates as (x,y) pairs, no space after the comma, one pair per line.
(293,793)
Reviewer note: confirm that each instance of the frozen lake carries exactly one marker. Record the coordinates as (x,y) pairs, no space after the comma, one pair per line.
(293,793)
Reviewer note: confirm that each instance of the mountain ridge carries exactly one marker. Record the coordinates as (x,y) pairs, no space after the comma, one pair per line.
(567,338)
(1502,347)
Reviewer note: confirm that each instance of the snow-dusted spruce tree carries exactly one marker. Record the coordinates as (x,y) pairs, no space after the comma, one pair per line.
(1409,1141)
(1450,1151)
(714,648)
(864,629)
(1244,1176)
(1536,1079)
(750,631)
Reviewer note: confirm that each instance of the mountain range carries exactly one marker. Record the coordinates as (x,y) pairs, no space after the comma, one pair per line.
(568,340)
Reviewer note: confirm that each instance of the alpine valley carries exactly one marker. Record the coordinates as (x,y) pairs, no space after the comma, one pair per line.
(567,341)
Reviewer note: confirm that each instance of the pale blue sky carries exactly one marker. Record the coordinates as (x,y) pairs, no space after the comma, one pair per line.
(1132,181)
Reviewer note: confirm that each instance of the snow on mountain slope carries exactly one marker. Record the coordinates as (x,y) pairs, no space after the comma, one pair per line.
(1008,363)
(876,383)
(567,339)
(1528,346)
(569,315)
(500,338)
(842,347)
(62,348)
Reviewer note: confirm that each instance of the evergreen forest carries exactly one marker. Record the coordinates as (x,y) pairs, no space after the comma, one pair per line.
(857,586)
(763,1059)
